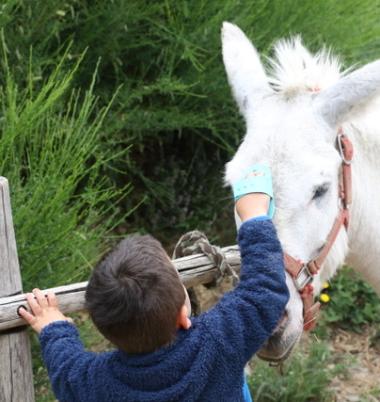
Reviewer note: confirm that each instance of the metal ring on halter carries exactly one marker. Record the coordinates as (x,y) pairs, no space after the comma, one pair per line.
(302,282)
(341,150)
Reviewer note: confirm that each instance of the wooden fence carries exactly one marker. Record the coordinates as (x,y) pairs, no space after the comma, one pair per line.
(16,376)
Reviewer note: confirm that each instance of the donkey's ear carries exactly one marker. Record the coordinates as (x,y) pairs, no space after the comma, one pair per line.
(245,72)
(355,89)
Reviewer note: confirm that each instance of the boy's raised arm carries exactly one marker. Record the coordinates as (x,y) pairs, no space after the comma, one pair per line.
(246,317)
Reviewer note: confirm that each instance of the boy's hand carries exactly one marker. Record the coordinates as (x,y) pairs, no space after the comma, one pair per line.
(252,205)
(44,310)
(254,193)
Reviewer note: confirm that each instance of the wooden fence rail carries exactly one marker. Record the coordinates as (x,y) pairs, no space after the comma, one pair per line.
(194,270)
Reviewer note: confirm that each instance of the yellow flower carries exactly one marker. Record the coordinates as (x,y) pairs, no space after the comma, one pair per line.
(324,298)
(325,285)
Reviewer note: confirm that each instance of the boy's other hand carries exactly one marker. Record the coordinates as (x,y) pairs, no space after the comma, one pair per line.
(44,310)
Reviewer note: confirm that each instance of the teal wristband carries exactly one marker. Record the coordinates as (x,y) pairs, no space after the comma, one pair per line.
(258,179)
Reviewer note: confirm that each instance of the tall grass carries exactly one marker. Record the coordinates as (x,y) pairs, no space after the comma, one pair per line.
(51,152)
(305,378)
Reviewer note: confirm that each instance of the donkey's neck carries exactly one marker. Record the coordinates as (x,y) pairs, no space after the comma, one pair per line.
(364,231)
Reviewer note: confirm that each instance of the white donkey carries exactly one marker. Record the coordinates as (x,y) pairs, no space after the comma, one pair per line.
(292,120)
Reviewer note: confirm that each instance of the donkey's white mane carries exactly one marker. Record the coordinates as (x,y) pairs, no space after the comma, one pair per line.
(294,70)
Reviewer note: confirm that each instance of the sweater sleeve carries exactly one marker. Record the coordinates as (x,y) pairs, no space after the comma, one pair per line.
(245,317)
(67,362)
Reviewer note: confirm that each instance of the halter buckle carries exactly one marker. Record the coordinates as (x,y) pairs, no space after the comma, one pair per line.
(303,278)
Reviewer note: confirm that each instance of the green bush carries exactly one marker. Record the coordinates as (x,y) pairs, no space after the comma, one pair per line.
(50,151)
(175,105)
(353,302)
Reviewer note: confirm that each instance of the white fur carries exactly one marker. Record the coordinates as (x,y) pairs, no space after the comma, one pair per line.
(293,128)
(245,69)
(295,70)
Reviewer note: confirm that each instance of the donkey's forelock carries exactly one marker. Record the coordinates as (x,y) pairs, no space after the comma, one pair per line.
(295,70)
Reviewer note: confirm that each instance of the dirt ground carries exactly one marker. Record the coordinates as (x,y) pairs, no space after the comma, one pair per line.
(361,382)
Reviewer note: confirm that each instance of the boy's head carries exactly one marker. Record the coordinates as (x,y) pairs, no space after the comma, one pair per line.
(135,296)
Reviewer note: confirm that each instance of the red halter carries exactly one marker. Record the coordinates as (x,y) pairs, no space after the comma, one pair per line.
(303,273)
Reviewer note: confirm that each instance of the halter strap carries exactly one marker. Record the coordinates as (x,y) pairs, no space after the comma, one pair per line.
(303,274)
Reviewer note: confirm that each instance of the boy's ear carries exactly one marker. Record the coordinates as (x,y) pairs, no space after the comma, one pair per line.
(183,320)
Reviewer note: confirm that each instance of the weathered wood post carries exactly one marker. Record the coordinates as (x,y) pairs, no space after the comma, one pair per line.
(16,375)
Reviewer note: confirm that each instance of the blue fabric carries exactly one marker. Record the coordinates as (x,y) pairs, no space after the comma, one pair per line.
(205,363)
(246,393)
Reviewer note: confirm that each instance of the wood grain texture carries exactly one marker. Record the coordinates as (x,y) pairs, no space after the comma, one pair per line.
(193,270)
(16,376)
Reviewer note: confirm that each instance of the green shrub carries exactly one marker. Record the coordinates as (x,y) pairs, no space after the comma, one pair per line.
(353,302)
(50,151)
(175,101)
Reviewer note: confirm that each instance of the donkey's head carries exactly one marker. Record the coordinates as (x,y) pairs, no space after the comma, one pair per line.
(292,120)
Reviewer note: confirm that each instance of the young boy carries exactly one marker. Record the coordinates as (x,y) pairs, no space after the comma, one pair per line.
(137,301)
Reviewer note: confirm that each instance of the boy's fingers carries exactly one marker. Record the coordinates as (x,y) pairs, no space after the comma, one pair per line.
(42,300)
(34,306)
(29,318)
(52,299)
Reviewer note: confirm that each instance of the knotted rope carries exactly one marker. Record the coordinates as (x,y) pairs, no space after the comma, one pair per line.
(196,242)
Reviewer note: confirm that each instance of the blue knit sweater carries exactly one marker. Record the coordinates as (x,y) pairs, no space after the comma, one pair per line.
(205,363)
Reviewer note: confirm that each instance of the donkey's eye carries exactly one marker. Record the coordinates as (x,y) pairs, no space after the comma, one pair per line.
(320,191)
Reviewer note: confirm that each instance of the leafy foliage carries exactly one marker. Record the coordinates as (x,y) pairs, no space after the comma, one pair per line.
(174,99)
(353,302)
(50,152)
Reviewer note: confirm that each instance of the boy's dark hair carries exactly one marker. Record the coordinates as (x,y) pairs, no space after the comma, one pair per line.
(134,295)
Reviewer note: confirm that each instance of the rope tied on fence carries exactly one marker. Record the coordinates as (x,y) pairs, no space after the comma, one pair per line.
(196,242)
